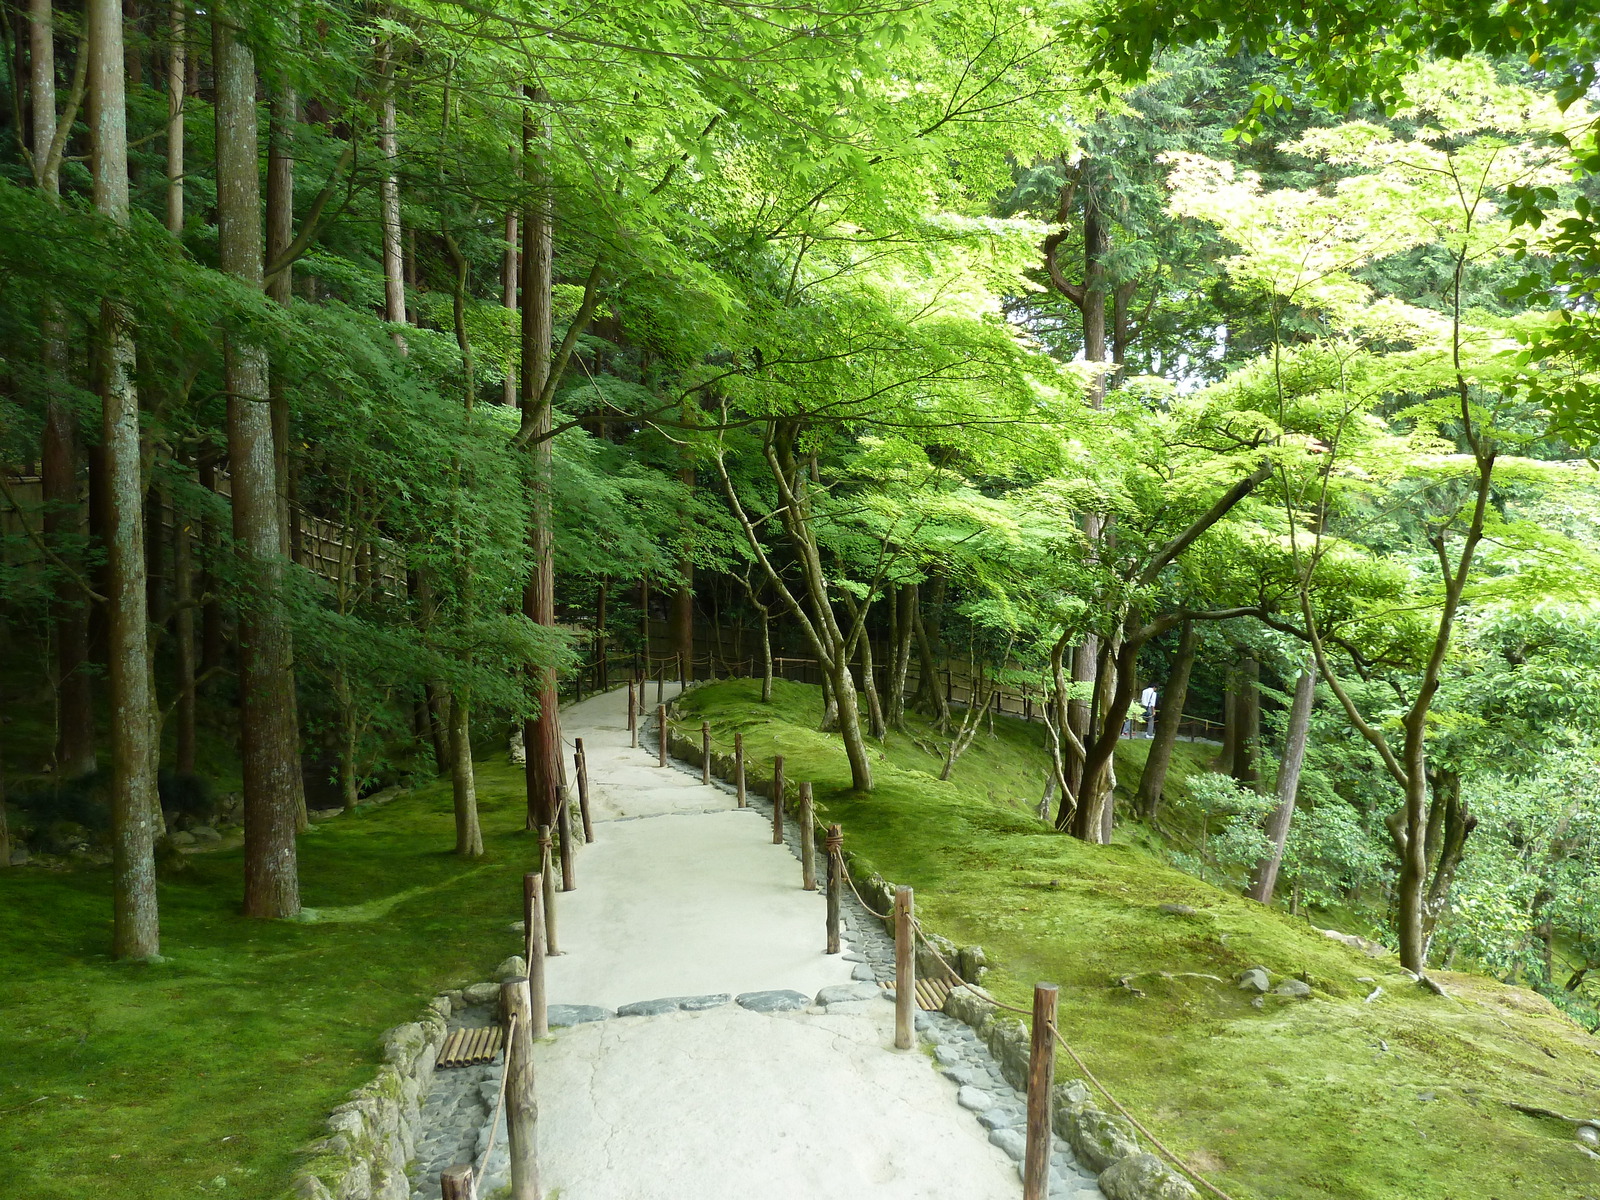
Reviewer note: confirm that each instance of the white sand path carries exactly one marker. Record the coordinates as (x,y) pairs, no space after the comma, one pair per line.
(682,894)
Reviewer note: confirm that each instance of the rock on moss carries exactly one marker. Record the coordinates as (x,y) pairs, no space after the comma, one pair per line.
(1099,1139)
(1144,1177)
(1008,1041)
(972,1006)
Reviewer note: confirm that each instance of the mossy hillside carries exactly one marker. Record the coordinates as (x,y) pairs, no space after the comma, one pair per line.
(1403,1097)
(201,1075)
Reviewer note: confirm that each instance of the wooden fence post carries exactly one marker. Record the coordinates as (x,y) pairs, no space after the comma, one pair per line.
(682,678)
(569,875)
(522,1109)
(705,752)
(548,871)
(661,683)
(835,847)
(1041,1062)
(808,839)
(457,1183)
(905,970)
(581,761)
(738,767)
(777,799)
(533,906)
(661,720)
(633,713)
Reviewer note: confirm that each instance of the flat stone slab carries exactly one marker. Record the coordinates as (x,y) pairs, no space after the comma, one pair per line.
(843,993)
(1011,1141)
(647,1008)
(656,1008)
(974,1099)
(563,1015)
(774,1002)
(999,1118)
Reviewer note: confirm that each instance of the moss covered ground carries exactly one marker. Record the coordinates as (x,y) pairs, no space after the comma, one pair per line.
(1400,1098)
(200,1075)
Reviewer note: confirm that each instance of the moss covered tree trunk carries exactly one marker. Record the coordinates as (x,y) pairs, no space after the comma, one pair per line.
(268,738)
(134,811)
(1168,720)
(1265,879)
(541,734)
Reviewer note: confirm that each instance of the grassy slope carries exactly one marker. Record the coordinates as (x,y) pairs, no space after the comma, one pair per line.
(200,1075)
(1299,1099)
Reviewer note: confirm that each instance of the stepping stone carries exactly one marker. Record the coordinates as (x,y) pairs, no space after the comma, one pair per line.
(773,1002)
(648,1008)
(999,1118)
(842,993)
(701,1003)
(863,973)
(948,1056)
(963,1076)
(1011,1141)
(974,1099)
(563,1015)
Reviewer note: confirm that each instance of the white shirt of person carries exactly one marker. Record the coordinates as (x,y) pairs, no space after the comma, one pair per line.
(1148,697)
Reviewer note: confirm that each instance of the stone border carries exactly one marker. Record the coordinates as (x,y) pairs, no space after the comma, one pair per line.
(372,1135)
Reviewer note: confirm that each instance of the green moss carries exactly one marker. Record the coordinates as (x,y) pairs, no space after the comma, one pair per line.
(1292,1101)
(124,1082)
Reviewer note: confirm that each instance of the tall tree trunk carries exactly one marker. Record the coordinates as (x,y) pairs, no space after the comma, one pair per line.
(542,734)
(903,601)
(268,738)
(1449,826)
(5,828)
(177,78)
(869,681)
(463,781)
(1247,707)
(211,631)
(602,672)
(183,634)
(1288,789)
(69,613)
(1169,717)
(766,657)
(469,838)
(1230,718)
(681,614)
(284,115)
(42,94)
(928,666)
(394,283)
(134,806)
(510,273)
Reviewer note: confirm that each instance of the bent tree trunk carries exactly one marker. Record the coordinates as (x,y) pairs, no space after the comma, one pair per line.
(1169,718)
(1294,754)
(266,680)
(136,933)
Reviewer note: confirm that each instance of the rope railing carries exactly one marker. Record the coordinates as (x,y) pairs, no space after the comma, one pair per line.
(500,1101)
(958,982)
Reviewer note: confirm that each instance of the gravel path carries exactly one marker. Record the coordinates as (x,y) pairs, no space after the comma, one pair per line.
(707,1048)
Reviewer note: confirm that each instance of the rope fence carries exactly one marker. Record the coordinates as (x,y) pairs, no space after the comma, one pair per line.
(835,846)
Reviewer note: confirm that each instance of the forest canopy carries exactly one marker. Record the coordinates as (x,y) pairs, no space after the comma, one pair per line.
(374,377)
